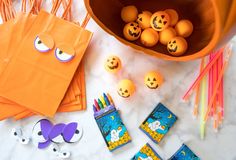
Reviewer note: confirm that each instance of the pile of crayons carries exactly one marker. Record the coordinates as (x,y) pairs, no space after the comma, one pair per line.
(104,101)
(209,89)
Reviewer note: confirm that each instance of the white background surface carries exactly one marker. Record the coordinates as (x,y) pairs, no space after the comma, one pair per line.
(178,77)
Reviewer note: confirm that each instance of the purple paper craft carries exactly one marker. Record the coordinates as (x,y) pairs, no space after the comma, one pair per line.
(57,133)
(69,131)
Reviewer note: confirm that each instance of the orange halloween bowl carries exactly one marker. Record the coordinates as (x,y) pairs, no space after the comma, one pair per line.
(213,20)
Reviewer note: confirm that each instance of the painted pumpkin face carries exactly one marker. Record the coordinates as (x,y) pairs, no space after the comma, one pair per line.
(132,31)
(125,88)
(144,19)
(177,46)
(153,80)
(112,64)
(160,20)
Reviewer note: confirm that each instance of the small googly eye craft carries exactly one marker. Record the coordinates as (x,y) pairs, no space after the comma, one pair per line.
(44,133)
(53,148)
(126,88)
(132,31)
(153,80)
(64,52)
(160,20)
(43,42)
(72,132)
(177,46)
(17,133)
(112,64)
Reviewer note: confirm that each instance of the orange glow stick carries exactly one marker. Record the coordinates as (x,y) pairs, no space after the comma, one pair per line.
(195,109)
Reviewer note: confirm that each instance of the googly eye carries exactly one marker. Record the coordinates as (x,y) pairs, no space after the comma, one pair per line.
(53,148)
(72,132)
(16,132)
(56,133)
(64,154)
(63,56)
(24,140)
(41,130)
(40,46)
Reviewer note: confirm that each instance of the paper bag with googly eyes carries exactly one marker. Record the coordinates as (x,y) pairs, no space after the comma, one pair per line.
(77,87)
(44,64)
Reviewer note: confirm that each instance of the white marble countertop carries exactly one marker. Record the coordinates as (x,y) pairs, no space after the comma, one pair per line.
(178,76)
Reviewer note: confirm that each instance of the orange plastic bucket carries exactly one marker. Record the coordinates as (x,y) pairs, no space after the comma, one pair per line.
(214,23)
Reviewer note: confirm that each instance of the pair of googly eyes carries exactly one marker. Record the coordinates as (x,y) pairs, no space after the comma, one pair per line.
(17,133)
(53,148)
(60,55)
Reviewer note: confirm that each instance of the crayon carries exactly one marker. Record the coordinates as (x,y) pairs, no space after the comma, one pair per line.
(94,108)
(96,104)
(103,101)
(110,99)
(106,99)
(100,104)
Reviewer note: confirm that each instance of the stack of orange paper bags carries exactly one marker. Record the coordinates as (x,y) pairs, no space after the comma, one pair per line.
(34,82)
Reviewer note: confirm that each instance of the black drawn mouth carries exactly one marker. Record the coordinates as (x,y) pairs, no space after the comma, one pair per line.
(134,34)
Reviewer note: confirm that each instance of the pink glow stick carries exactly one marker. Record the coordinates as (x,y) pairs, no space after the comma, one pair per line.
(202,74)
(221,74)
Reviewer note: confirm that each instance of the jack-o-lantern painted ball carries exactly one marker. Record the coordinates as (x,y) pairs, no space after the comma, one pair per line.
(126,88)
(129,13)
(153,80)
(132,31)
(112,64)
(174,17)
(144,19)
(177,46)
(166,35)
(149,37)
(160,20)
(184,28)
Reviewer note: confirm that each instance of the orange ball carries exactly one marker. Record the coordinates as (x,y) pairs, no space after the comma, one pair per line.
(126,88)
(166,35)
(129,13)
(174,17)
(153,80)
(132,31)
(160,20)
(177,46)
(149,37)
(144,19)
(112,64)
(184,28)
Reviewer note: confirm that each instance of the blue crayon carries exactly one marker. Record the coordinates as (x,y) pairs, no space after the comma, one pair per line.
(106,99)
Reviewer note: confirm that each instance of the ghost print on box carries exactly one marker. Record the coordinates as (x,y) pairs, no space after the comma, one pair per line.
(158,123)
(112,128)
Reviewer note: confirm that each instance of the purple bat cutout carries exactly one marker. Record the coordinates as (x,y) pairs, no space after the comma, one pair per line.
(50,132)
(46,127)
(69,131)
(56,130)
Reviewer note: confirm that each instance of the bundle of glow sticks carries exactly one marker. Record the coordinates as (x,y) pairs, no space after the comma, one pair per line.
(209,89)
